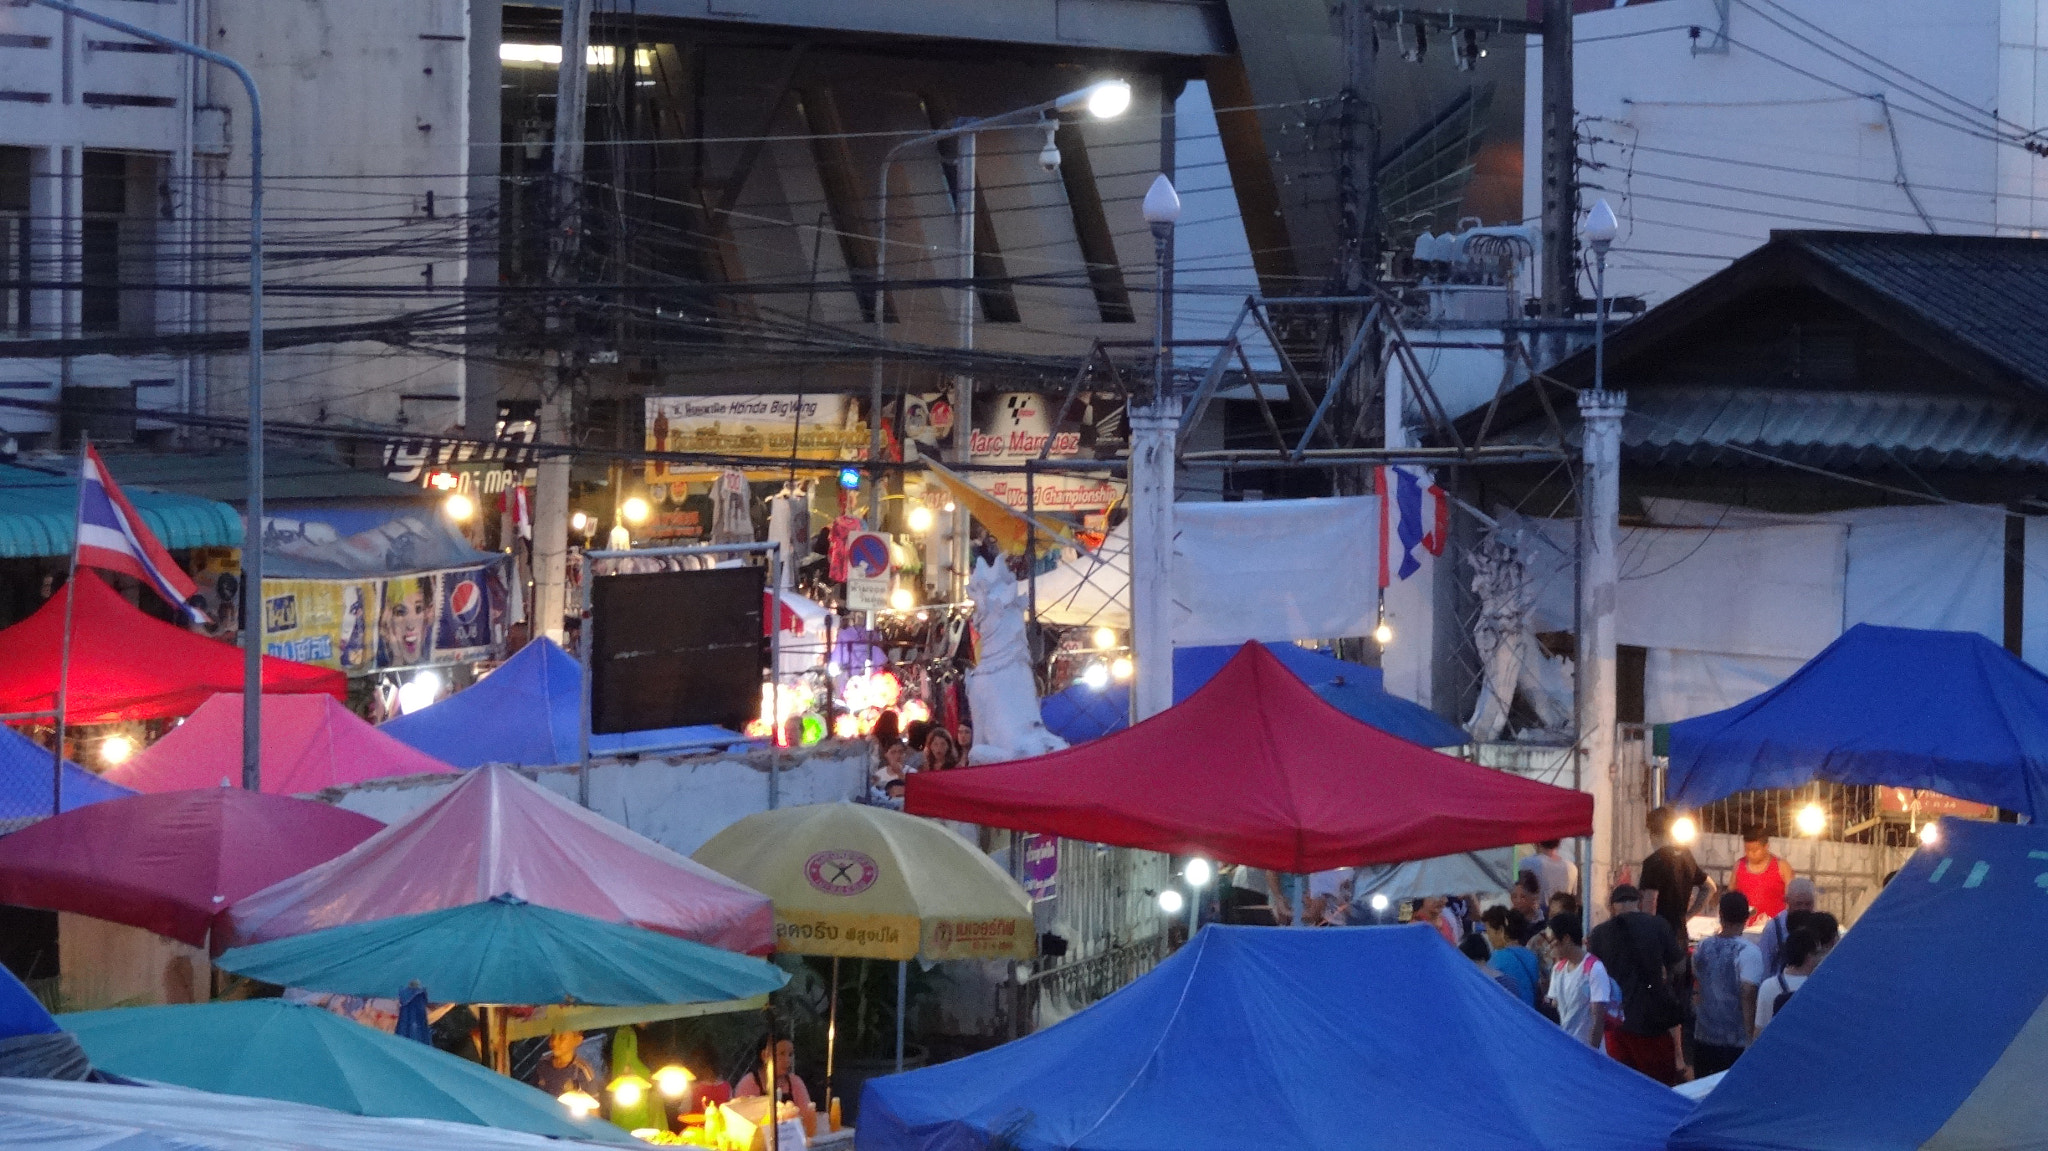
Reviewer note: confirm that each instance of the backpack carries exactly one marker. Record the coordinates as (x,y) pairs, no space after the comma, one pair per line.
(1778,1004)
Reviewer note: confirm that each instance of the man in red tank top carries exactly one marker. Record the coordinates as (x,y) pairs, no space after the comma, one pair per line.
(1761,876)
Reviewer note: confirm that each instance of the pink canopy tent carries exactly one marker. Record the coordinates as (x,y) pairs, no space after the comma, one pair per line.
(172,863)
(499,833)
(310,742)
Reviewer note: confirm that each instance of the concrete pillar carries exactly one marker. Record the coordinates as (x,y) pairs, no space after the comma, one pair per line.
(1599,512)
(1153,430)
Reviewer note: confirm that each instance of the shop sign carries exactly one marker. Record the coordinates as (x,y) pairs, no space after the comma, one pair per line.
(477,469)
(1012,428)
(1041,866)
(820,428)
(869,571)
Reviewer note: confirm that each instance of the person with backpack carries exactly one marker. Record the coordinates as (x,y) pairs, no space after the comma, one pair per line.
(1813,935)
(1727,970)
(1644,956)
(1580,989)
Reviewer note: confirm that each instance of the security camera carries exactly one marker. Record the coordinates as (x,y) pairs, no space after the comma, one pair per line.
(1049,156)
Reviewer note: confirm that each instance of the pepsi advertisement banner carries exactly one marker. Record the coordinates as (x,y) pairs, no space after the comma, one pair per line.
(463,615)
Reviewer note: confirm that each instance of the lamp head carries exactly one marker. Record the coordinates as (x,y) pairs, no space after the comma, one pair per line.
(1162,203)
(1601,227)
(1104,100)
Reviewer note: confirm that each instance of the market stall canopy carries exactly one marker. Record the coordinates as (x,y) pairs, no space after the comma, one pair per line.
(25,782)
(497,832)
(1947,711)
(271,1049)
(1080,713)
(171,863)
(526,713)
(127,665)
(1272,1037)
(1255,768)
(310,742)
(1928,1025)
(56,1116)
(868,882)
(42,512)
(506,950)
(32,1046)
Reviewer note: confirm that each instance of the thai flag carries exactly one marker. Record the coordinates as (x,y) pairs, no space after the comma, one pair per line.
(112,536)
(1405,523)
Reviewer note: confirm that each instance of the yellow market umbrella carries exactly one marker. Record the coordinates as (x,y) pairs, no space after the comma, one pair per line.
(1010,528)
(850,880)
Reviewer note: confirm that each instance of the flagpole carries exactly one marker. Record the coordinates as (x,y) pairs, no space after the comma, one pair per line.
(64,654)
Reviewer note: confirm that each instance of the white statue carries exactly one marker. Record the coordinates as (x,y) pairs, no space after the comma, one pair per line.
(1000,689)
(1508,651)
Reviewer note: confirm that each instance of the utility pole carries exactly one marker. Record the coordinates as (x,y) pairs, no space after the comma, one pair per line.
(551,489)
(1560,171)
(1358,169)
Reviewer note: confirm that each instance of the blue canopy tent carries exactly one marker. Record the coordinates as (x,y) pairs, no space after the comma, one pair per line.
(32,1046)
(1082,713)
(25,781)
(1927,1027)
(1947,711)
(1272,1037)
(526,714)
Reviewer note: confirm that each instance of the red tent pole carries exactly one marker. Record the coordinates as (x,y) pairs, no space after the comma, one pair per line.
(64,657)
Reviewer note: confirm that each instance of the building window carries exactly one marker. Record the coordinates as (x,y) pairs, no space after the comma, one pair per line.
(14,248)
(118,243)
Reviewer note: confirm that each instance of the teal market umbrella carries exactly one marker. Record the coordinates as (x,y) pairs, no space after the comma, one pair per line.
(270,1049)
(506,951)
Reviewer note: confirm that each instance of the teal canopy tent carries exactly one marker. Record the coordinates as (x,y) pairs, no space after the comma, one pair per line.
(506,951)
(270,1049)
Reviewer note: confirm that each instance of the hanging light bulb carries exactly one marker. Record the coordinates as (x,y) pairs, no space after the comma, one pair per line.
(1199,872)
(459,507)
(673,1080)
(628,1090)
(1379,902)
(1172,902)
(920,519)
(1383,634)
(581,1104)
(1930,834)
(635,510)
(579,522)
(1812,819)
(902,600)
(1105,638)
(1096,677)
(1684,830)
(1120,668)
(116,750)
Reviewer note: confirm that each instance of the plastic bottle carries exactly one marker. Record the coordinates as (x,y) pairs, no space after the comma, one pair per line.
(833,1111)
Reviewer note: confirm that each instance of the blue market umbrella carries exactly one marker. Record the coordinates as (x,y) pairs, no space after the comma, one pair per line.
(270,1049)
(506,951)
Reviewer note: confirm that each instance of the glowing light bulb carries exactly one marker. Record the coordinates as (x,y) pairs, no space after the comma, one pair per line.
(673,1080)
(635,510)
(579,522)
(1684,830)
(1096,677)
(1109,100)
(1930,834)
(1199,872)
(1383,634)
(1380,902)
(459,507)
(1812,819)
(629,1090)
(1104,638)
(1172,902)
(1120,668)
(920,519)
(418,692)
(902,600)
(116,750)
(581,1104)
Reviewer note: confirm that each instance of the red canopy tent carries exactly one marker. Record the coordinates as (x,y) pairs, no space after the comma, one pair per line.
(126,665)
(170,863)
(1255,768)
(500,833)
(310,742)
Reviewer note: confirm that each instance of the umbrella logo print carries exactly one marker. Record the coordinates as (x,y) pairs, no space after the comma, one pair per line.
(841,872)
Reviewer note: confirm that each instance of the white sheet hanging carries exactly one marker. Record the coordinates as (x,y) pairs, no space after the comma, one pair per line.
(1274,570)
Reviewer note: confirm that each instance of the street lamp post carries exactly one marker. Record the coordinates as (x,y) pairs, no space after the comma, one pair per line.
(252,555)
(1104,100)
(1154,426)
(1601,228)
(1600,415)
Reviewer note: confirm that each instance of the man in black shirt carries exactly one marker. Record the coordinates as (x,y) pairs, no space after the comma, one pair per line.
(1645,958)
(1675,886)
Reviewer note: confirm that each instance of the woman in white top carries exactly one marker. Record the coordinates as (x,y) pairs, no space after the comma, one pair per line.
(1803,951)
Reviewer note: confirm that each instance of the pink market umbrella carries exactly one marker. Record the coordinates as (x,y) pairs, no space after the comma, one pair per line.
(498,833)
(310,742)
(171,863)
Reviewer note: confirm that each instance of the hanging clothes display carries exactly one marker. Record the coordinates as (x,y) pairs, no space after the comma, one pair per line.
(732,510)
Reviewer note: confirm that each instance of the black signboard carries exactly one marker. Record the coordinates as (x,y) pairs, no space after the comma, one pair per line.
(671,649)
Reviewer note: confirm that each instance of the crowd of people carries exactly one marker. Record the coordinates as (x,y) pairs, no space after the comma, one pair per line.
(903,750)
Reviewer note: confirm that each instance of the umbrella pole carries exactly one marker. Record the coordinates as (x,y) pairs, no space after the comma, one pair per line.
(774,1095)
(831,1031)
(902,982)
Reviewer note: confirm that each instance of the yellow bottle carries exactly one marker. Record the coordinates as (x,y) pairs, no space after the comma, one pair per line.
(833,1111)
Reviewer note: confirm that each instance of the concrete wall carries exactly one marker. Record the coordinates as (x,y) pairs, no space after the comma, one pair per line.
(1701,155)
(104,964)
(677,801)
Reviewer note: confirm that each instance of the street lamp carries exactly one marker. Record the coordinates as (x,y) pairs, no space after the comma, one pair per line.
(1103,100)
(1600,230)
(1162,212)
